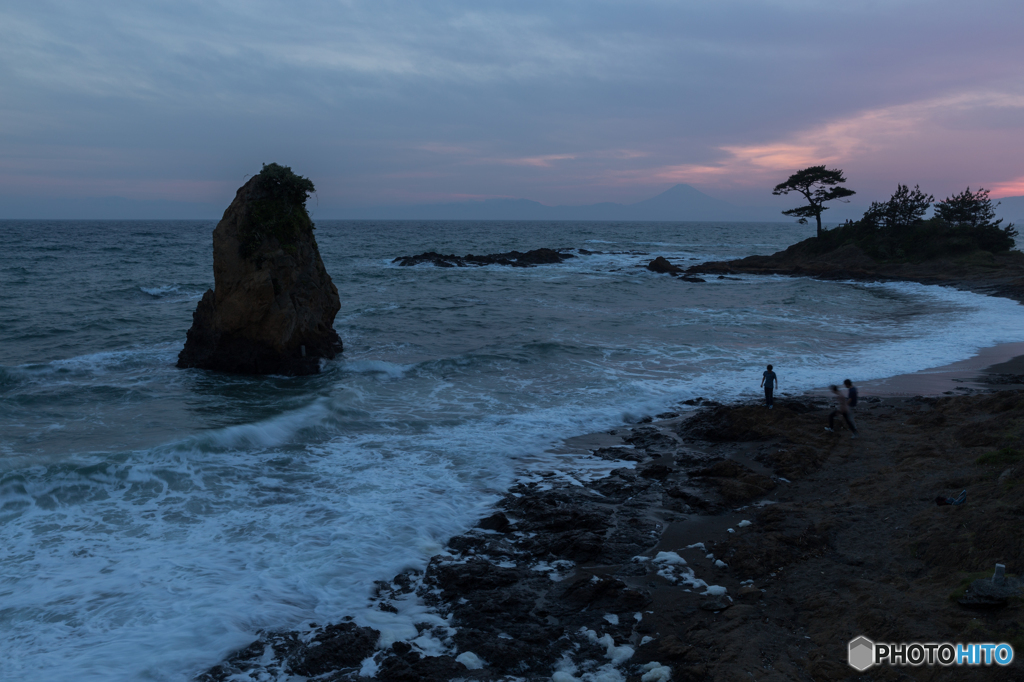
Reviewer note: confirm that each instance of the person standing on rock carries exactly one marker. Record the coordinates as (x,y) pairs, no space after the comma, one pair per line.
(844,410)
(770,383)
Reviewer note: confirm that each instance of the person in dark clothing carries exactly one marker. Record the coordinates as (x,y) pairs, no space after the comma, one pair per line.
(770,383)
(844,410)
(851,394)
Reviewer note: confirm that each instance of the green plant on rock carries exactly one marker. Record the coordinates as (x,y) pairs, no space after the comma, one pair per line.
(278,210)
(1002,456)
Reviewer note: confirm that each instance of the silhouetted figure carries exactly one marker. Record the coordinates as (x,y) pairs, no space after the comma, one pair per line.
(770,383)
(851,395)
(844,410)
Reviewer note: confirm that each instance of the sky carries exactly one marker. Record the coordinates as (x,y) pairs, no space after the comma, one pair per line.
(561,102)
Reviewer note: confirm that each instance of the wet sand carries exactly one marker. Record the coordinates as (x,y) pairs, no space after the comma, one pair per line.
(958,377)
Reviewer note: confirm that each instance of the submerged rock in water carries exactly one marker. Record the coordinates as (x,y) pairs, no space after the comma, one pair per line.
(513,258)
(272,307)
(663,266)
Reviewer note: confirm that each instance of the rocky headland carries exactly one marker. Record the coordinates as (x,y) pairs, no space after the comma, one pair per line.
(997,274)
(732,543)
(272,307)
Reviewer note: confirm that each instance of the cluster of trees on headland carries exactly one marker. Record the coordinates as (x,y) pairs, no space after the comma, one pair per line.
(897,230)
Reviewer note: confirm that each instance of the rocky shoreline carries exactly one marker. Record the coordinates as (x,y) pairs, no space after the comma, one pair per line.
(733,543)
(1000,274)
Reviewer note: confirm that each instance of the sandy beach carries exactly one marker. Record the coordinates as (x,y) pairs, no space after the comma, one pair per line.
(997,363)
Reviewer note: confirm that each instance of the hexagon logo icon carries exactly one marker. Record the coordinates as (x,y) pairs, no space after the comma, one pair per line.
(862,653)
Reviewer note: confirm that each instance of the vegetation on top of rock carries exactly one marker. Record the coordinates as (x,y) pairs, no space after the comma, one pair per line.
(896,230)
(817,185)
(904,208)
(968,209)
(278,209)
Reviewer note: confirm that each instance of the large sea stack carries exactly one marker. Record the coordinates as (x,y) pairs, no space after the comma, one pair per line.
(272,307)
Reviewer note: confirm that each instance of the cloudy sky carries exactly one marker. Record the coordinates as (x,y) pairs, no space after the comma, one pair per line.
(557,101)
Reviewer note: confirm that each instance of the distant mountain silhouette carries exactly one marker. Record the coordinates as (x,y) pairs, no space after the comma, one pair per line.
(678,203)
(1011,209)
(683,200)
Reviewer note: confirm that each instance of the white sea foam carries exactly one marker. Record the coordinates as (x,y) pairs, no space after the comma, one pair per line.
(105,362)
(195,545)
(268,433)
(128,366)
(390,369)
(161,290)
(194,550)
(969,323)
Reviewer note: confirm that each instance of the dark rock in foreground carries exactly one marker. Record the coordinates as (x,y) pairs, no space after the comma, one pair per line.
(513,258)
(341,647)
(272,307)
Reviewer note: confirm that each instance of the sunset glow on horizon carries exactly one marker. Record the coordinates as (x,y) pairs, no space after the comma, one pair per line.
(393,103)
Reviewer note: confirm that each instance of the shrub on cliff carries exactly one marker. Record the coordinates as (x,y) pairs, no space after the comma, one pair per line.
(896,230)
(279,209)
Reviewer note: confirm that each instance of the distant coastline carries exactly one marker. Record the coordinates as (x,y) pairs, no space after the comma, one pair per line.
(980,272)
(680,203)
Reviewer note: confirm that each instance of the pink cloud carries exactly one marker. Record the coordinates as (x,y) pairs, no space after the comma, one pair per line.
(1010,188)
(936,142)
(545,161)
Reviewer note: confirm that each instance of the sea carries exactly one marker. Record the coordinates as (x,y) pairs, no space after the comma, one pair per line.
(154,519)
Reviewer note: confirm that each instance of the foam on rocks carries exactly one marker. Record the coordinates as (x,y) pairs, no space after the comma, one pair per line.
(470,660)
